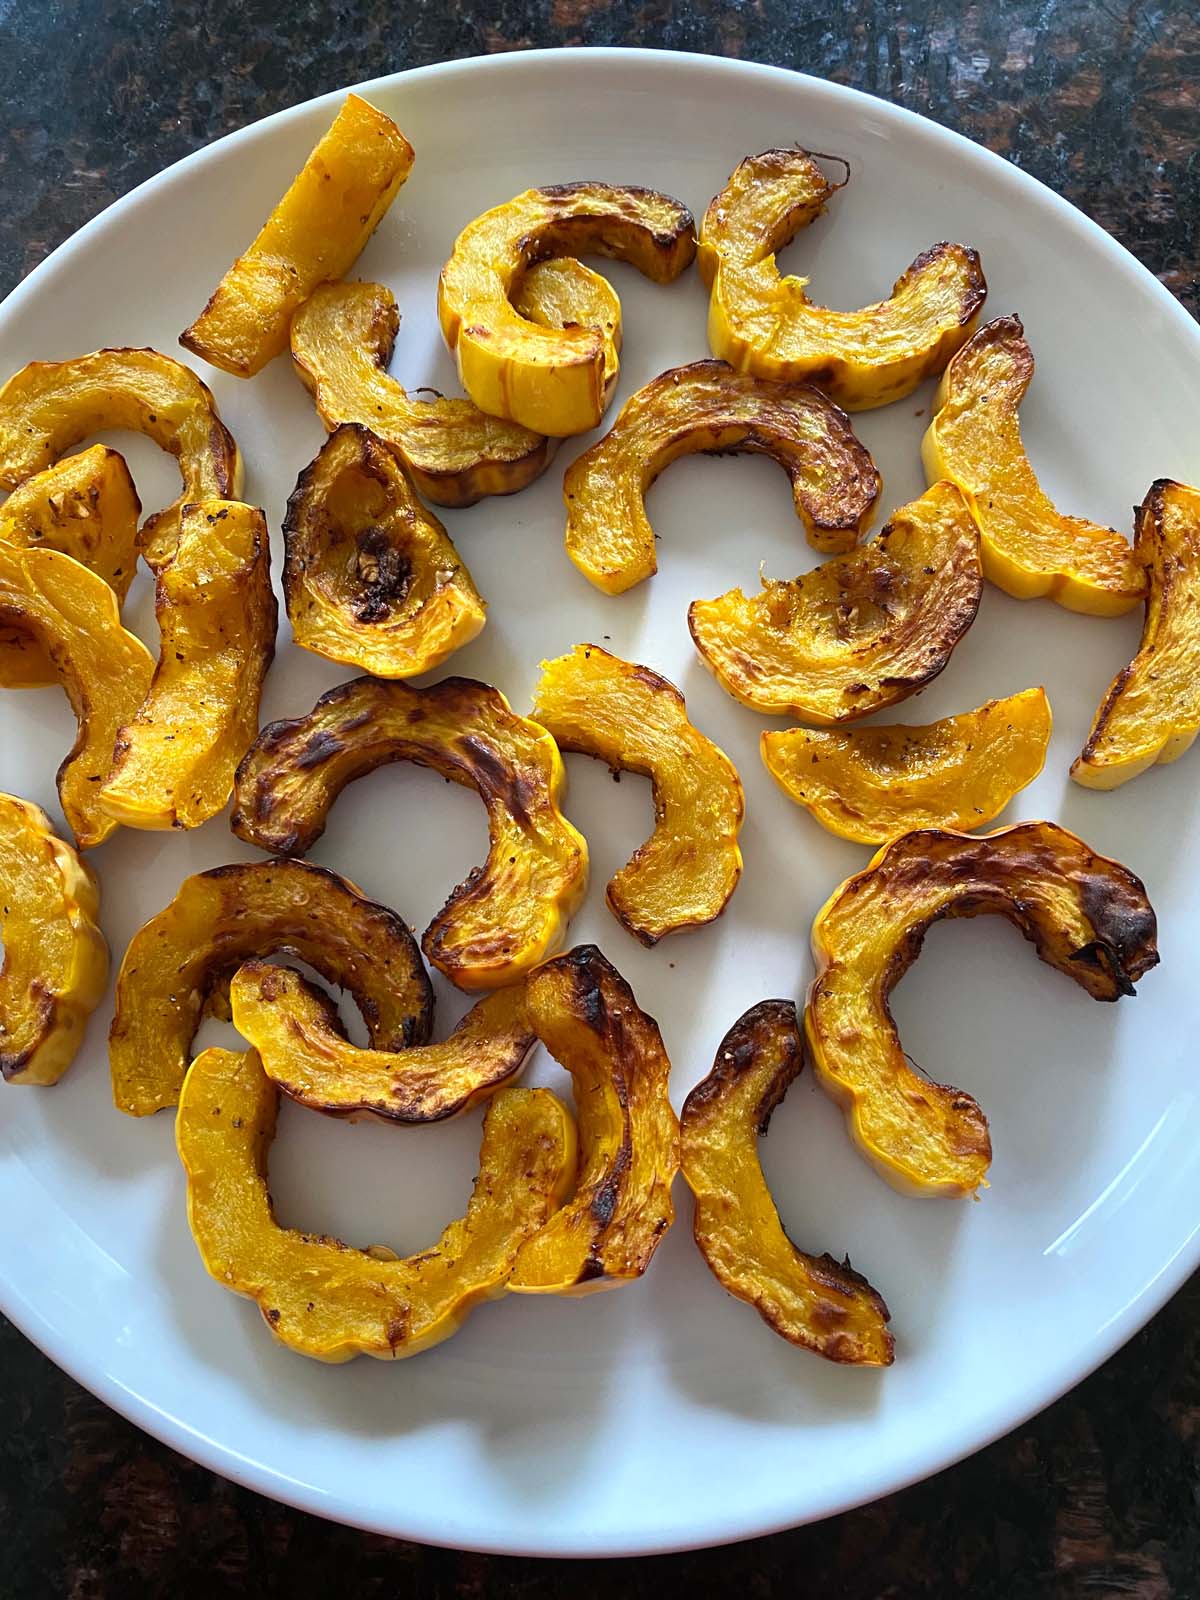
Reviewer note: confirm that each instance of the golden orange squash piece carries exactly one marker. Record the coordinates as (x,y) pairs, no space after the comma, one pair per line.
(858,633)
(1151,713)
(173,763)
(370,577)
(305,1053)
(709,407)
(563,293)
(1029,547)
(764,323)
(49,406)
(326,1299)
(510,913)
(553,380)
(635,721)
(870,784)
(317,231)
(1085,915)
(178,966)
(55,967)
(811,1301)
(588,1019)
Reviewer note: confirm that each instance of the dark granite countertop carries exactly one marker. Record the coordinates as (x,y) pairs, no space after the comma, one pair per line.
(1099,98)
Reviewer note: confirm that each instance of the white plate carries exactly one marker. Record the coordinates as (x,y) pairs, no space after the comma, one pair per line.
(663,1415)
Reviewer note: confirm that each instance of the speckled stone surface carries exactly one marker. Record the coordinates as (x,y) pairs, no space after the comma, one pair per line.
(1100,1496)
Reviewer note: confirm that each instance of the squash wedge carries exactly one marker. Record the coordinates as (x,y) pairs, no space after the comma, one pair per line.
(1085,915)
(323,1298)
(858,633)
(810,1301)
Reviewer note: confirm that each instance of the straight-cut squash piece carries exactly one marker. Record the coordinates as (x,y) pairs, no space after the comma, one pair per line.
(762,322)
(55,965)
(179,965)
(1151,713)
(870,784)
(305,1053)
(173,763)
(587,1017)
(326,1299)
(317,231)
(553,380)
(709,407)
(48,407)
(1085,915)
(1030,548)
(370,577)
(858,633)
(811,1301)
(510,913)
(635,721)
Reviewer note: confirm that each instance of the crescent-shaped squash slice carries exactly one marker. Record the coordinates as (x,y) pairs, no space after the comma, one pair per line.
(55,967)
(173,764)
(178,966)
(588,1019)
(553,380)
(563,293)
(1085,915)
(635,721)
(370,577)
(870,784)
(1151,712)
(764,323)
(317,231)
(808,1300)
(48,407)
(305,1053)
(1029,548)
(510,913)
(105,671)
(86,507)
(861,631)
(709,407)
(326,1299)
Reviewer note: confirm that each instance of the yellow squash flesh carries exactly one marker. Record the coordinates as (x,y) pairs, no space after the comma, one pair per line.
(870,784)
(1029,548)
(1085,915)
(173,764)
(858,633)
(811,1301)
(316,232)
(55,966)
(635,721)
(326,1299)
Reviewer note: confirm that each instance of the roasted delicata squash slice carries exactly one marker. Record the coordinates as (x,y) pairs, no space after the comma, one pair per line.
(305,1053)
(588,1019)
(871,784)
(811,1301)
(55,967)
(709,407)
(762,322)
(71,613)
(510,913)
(173,764)
(326,1299)
(1151,712)
(178,966)
(858,633)
(370,577)
(1029,547)
(553,380)
(48,407)
(563,293)
(316,232)
(1085,915)
(635,721)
